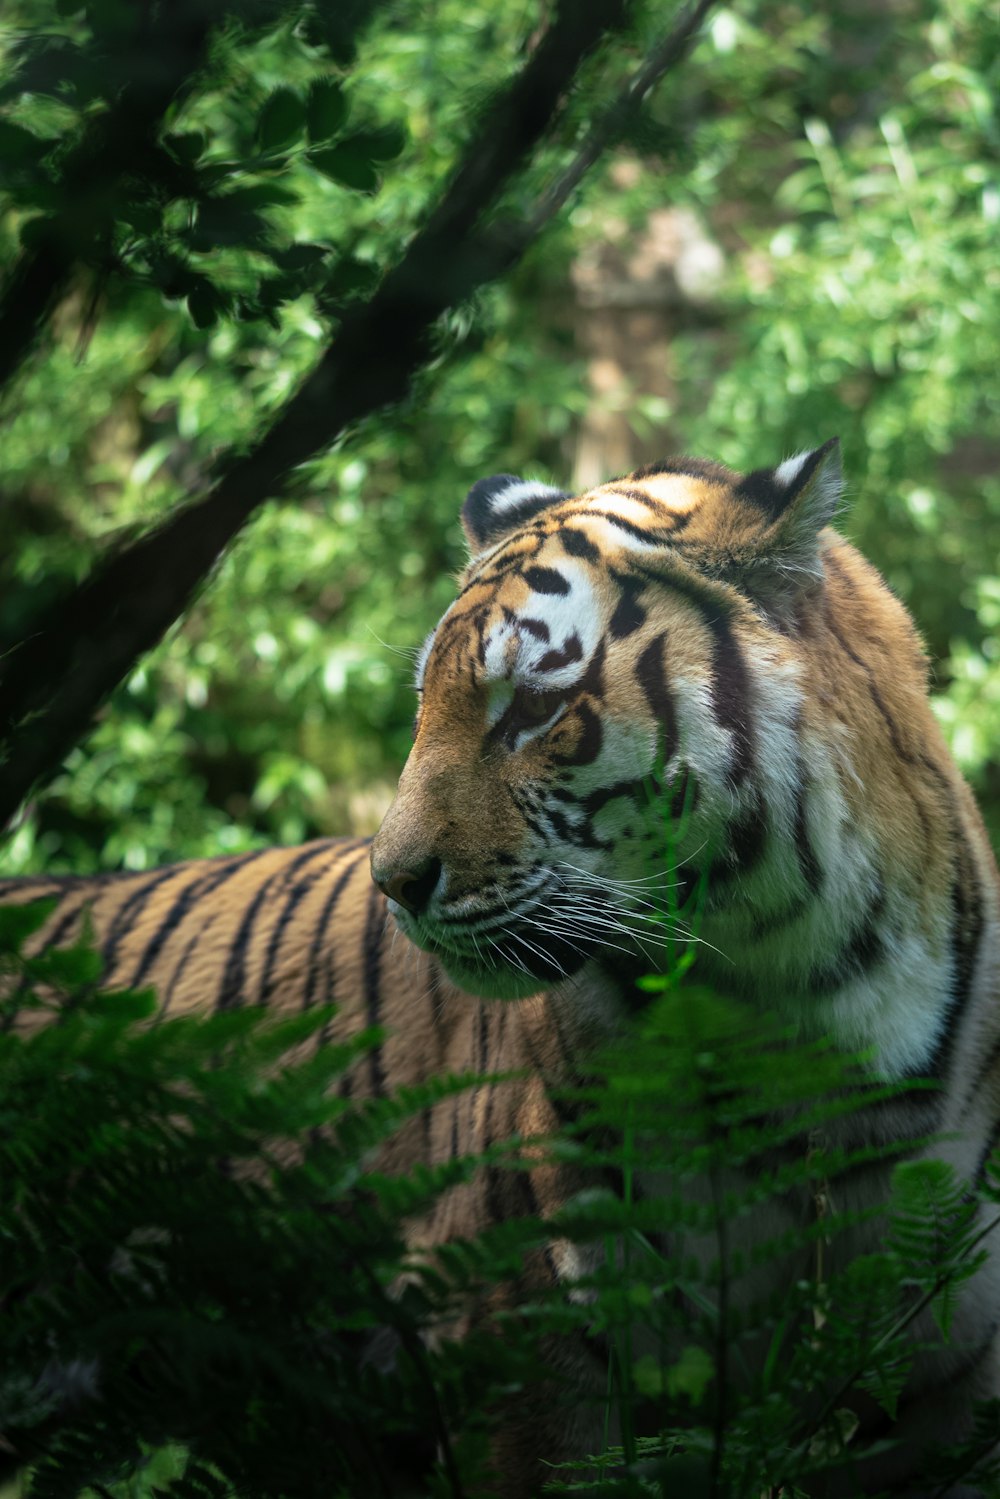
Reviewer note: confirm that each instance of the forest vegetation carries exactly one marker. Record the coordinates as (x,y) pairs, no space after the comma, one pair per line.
(792,237)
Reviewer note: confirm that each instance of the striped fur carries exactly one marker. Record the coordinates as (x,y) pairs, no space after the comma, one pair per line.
(708,631)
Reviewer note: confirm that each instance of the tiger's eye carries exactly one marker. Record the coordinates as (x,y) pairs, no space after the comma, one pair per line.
(528,709)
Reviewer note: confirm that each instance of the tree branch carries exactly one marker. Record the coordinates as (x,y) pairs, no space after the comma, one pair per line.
(168,55)
(54,682)
(668,53)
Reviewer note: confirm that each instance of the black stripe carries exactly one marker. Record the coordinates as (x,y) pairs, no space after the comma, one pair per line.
(454,1129)
(321,936)
(572,650)
(23,884)
(637,790)
(714,600)
(132,909)
(685,796)
(990,1145)
(24,983)
(629,614)
(327,848)
(545,580)
(651,674)
(578,544)
(650,536)
(592,680)
(982,1074)
(66,920)
(747,844)
(482,1041)
(766,926)
(691,468)
(563,1046)
(863,949)
(590,737)
(188,896)
(232,991)
(809,866)
(632,492)
(892,728)
(730,691)
(178,971)
(967,930)
(372,948)
(437,1010)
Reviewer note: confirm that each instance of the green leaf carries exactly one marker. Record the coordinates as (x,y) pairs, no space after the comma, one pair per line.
(647,1376)
(125,1004)
(72,967)
(351,277)
(260,195)
(691,1375)
(282,120)
(144,216)
(18,922)
(205,304)
(227,220)
(326,110)
(382,144)
(186,146)
(19,146)
(348,165)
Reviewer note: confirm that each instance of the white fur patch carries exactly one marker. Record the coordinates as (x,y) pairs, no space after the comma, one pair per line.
(786,473)
(512,653)
(501,649)
(823,490)
(897,1008)
(519,491)
(421,663)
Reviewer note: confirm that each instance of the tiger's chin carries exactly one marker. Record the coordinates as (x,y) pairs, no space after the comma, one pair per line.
(532,968)
(494,983)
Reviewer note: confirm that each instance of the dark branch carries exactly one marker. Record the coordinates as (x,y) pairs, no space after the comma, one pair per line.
(55,681)
(611,124)
(168,55)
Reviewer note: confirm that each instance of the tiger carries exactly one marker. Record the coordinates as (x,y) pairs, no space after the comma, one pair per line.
(710,633)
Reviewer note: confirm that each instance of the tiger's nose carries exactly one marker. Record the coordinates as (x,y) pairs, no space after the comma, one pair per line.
(412,888)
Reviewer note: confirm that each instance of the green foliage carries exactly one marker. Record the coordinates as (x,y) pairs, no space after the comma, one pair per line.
(734,1342)
(185,1277)
(280,712)
(199,1254)
(866,301)
(207,1288)
(861,297)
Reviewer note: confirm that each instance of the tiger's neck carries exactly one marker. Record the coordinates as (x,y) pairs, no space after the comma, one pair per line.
(874,924)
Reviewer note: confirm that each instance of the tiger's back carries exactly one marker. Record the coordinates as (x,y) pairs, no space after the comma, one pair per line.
(286,929)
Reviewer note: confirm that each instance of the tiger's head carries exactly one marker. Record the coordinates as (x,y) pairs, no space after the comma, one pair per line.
(613,703)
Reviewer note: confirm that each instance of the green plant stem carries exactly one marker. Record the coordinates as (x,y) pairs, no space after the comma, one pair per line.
(418,1357)
(900,1325)
(721,1413)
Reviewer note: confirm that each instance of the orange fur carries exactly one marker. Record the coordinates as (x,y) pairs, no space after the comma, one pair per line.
(710,632)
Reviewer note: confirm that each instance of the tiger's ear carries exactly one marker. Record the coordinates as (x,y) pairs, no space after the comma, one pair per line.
(795,501)
(496,507)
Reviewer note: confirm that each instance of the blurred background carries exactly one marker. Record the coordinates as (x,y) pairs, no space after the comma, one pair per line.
(798,238)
